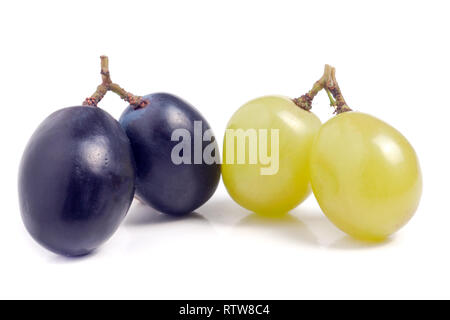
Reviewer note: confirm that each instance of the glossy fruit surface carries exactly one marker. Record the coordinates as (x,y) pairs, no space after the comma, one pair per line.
(271,194)
(76,180)
(172,188)
(365,175)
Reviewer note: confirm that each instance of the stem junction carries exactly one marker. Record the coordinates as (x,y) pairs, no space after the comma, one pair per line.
(137,102)
(328,83)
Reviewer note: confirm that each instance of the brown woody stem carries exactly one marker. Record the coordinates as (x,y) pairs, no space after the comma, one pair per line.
(305,101)
(333,87)
(328,83)
(107,85)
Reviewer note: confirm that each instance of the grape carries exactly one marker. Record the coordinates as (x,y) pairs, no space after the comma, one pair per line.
(76,180)
(365,176)
(271,194)
(172,188)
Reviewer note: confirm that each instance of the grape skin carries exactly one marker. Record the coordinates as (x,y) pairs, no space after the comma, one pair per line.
(365,176)
(76,180)
(171,188)
(272,195)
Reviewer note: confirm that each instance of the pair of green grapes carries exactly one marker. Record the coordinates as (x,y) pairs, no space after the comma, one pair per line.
(364,174)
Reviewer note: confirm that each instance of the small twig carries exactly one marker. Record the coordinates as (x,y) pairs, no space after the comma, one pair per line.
(136,101)
(328,83)
(332,86)
(107,85)
(330,96)
(305,101)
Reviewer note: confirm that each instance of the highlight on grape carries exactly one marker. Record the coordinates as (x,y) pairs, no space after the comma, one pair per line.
(250,146)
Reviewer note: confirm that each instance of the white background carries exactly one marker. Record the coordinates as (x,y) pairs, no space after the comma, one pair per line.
(392,60)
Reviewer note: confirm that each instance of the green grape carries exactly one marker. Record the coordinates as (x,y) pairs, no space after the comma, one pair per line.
(365,175)
(272,193)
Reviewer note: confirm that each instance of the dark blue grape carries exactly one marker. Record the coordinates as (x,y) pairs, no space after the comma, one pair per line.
(171,188)
(76,180)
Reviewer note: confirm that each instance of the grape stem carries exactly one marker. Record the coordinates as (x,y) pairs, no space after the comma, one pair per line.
(332,86)
(328,83)
(137,102)
(330,96)
(305,101)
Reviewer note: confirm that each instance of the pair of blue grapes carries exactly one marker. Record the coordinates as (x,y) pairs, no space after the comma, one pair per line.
(82,168)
